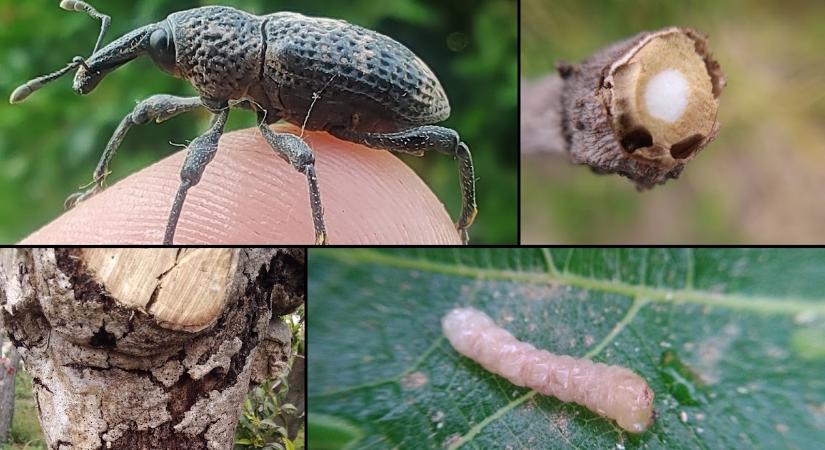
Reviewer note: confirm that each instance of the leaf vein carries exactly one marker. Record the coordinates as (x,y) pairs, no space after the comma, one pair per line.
(759,304)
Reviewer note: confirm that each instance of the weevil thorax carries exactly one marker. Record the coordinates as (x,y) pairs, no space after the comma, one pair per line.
(219,50)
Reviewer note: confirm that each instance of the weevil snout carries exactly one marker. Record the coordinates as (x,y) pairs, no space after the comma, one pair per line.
(86,80)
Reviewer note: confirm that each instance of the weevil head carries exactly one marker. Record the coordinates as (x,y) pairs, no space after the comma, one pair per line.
(155,40)
(161,48)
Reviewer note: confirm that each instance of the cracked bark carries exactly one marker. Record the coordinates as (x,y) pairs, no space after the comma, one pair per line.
(599,112)
(147,348)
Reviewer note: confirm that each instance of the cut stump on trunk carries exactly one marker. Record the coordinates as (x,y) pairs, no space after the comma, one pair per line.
(148,348)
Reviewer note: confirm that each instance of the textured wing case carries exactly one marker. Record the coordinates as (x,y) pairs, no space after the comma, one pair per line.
(364,79)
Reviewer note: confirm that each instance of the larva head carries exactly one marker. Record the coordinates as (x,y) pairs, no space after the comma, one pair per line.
(631,399)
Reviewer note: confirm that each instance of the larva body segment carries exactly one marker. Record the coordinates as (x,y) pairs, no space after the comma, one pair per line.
(611,391)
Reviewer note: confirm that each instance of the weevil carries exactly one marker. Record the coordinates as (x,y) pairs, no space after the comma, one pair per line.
(321,74)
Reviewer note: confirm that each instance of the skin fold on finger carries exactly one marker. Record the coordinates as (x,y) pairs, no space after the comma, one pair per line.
(249,195)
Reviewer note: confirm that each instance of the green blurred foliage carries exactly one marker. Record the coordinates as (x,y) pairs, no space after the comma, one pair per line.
(50,144)
(757,183)
(25,433)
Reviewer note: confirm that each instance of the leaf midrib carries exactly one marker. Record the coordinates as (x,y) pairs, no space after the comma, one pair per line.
(759,304)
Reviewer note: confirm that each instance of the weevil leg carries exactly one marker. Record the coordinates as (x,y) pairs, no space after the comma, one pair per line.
(157,108)
(419,140)
(296,152)
(201,152)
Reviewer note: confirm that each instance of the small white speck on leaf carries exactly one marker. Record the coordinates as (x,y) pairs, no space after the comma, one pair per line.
(805,317)
(683,417)
(452,439)
(414,380)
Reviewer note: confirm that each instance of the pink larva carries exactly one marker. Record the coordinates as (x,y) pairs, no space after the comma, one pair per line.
(611,391)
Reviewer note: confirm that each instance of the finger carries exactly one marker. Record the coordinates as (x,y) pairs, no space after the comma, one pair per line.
(249,195)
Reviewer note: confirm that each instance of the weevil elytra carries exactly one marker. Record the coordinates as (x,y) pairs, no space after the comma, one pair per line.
(321,74)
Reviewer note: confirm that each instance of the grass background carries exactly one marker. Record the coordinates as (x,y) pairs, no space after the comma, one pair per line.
(761,181)
(50,145)
(25,433)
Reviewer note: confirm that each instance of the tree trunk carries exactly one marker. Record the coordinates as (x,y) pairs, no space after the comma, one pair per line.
(642,107)
(147,348)
(9,365)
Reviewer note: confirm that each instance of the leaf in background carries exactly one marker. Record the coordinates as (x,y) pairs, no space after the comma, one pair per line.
(726,338)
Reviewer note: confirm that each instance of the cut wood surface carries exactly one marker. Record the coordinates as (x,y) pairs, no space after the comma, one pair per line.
(642,107)
(164,281)
(148,348)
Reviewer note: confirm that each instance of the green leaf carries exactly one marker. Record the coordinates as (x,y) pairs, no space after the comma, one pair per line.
(289,408)
(729,340)
(332,433)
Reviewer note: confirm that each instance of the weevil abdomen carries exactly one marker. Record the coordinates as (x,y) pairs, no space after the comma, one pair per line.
(355,71)
(219,50)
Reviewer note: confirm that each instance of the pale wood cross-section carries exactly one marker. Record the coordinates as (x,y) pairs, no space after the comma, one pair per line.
(184,289)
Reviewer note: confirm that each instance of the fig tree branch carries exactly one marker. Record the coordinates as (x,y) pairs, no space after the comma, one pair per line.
(642,107)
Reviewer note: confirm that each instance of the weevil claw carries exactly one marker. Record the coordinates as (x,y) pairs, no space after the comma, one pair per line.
(80,196)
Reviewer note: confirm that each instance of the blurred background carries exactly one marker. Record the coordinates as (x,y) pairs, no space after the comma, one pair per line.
(761,181)
(50,144)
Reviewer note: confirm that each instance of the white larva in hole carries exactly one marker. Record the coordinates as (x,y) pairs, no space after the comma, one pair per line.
(611,391)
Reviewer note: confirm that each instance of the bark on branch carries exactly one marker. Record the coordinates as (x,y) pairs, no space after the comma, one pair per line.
(147,348)
(642,107)
(9,365)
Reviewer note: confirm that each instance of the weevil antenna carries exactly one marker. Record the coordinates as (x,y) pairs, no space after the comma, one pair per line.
(27,88)
(30,86)
(105,21)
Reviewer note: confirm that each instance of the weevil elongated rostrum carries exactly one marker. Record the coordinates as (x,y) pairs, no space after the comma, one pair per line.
(321,74)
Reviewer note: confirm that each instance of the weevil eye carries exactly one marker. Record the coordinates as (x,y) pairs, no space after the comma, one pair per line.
(162,48)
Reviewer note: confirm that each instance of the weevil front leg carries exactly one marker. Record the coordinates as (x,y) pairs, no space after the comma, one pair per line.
(295,151)
(419,140)
(156,108)
(201,152)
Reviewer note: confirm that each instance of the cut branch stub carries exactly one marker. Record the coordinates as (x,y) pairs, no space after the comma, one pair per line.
(643,107)
(164,281)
